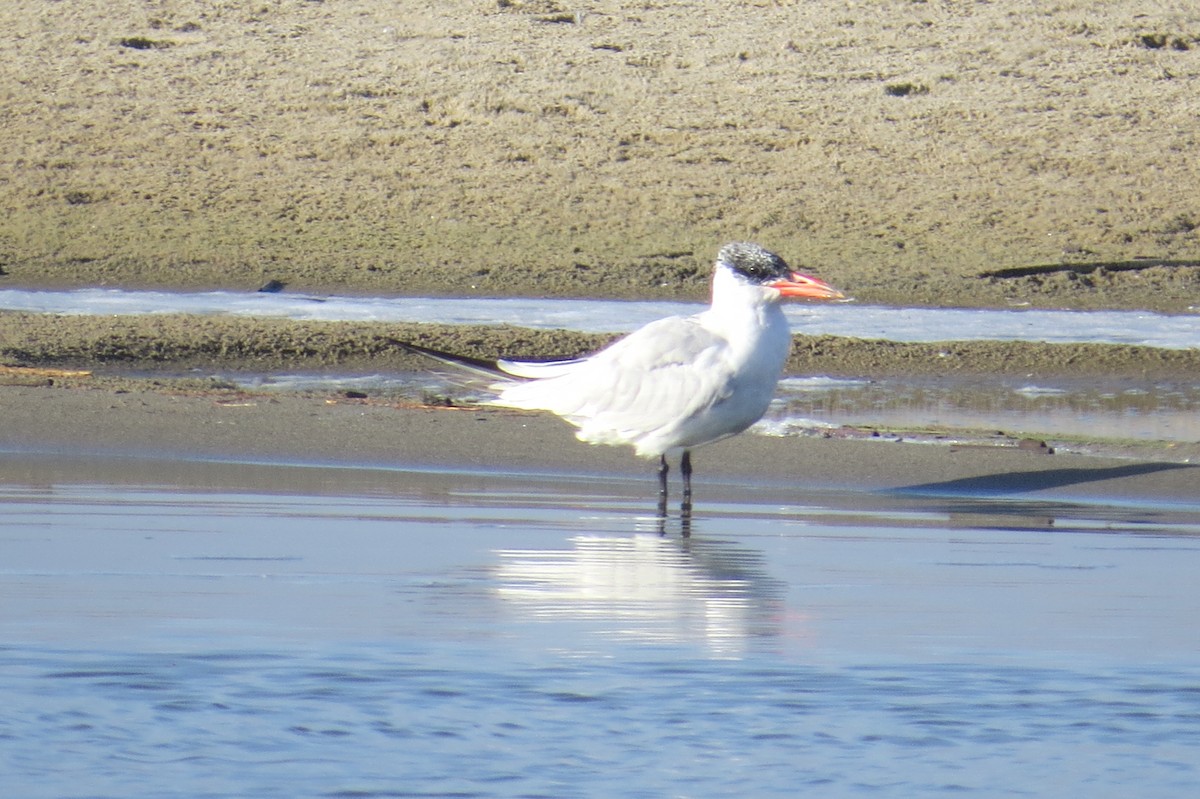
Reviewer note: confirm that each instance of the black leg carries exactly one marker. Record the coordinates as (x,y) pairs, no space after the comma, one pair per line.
(685,508)
(663,471)
(685,467)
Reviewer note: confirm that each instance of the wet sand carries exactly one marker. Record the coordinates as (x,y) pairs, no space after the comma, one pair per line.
(340,431)
(177,343)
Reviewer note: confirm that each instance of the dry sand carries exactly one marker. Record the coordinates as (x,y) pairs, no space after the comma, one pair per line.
(905,151)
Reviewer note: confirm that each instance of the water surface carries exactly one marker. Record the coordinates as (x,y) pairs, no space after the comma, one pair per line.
(221,629)
(1169,331)
(1127,409)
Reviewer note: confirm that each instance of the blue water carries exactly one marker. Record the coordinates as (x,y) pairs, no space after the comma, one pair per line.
(209,629)
(1170,331)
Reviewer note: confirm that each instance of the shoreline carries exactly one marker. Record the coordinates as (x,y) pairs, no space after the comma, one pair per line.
(1145,283)
(335,431)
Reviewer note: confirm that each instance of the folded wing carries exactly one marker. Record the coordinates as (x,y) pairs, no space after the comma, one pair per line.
(639,390)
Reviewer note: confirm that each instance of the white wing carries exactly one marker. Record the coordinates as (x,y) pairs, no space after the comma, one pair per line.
(641,390)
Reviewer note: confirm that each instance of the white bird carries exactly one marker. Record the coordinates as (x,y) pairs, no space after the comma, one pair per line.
(683,381)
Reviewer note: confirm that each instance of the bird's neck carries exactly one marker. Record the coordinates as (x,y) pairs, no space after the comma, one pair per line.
(743,312)
(732,297)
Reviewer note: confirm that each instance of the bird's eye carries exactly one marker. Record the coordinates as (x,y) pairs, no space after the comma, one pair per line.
(756,268)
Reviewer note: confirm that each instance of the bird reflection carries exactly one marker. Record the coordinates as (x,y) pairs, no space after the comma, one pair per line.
(647,588)
(662,518)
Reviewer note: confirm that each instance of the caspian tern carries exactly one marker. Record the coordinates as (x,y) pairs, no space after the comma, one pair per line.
(683,381)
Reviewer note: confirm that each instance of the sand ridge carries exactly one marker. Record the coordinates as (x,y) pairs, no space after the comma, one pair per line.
(181,343)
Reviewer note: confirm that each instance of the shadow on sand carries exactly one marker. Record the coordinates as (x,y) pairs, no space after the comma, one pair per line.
(1035,480)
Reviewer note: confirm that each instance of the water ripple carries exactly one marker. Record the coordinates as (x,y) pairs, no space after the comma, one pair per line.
(385,719)
(484,635)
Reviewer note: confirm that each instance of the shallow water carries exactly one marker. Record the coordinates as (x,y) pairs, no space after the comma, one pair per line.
(1111,409)
(224,629)
(1179,331)
(1129,410)
(1052,408)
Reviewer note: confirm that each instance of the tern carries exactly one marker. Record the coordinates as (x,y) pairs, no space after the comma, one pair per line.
(676,383)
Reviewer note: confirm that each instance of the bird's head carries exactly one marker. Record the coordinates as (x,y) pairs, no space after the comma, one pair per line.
(755,266)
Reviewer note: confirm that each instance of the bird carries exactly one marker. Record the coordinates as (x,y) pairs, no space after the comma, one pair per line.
(679,382)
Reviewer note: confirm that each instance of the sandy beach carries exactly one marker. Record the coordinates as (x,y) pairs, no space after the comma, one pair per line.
(924,154)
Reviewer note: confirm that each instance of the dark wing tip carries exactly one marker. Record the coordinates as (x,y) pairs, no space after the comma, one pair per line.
(489,368)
